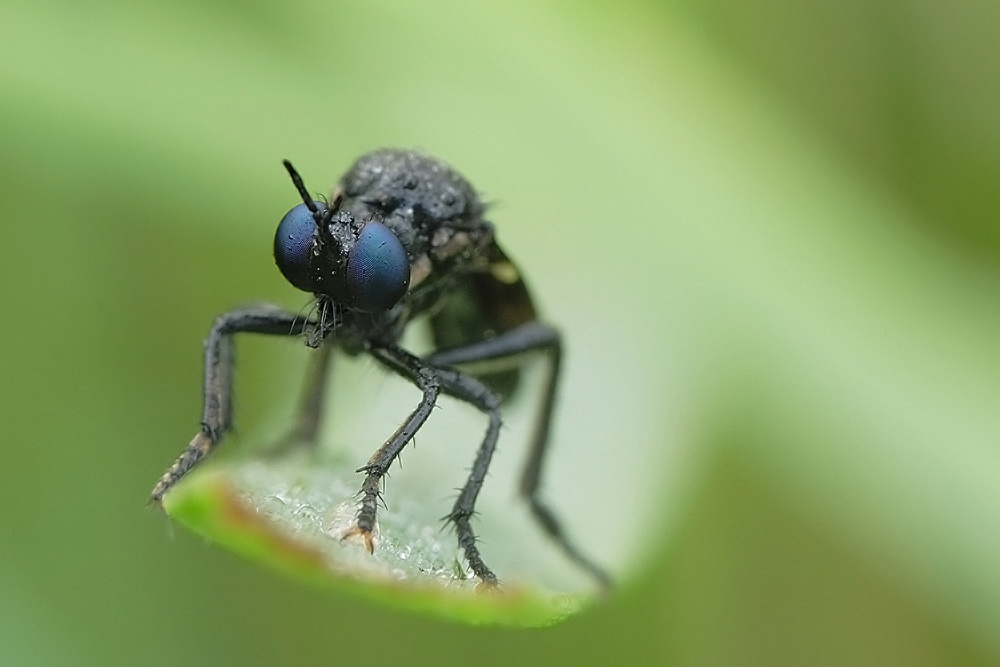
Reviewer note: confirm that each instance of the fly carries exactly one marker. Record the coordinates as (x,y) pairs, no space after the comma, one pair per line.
(402,236)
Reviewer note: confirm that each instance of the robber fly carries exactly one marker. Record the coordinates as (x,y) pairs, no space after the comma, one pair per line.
(402,236)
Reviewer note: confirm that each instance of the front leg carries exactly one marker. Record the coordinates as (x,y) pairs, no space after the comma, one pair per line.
(426,378)
(216,417)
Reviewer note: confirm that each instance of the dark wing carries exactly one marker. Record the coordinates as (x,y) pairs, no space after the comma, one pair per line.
(486,303)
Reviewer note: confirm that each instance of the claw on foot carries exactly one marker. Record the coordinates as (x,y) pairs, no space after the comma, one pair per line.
(488,586)
(367,538)
(342,524)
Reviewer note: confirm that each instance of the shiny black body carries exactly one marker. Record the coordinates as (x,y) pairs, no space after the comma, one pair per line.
(402,237)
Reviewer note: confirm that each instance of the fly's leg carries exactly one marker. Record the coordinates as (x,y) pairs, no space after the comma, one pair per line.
(426,378)
(432,382)
(217,414)
(468,389)
(309,418)
(531,336)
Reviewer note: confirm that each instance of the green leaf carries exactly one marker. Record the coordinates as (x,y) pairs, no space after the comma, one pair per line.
(292,515)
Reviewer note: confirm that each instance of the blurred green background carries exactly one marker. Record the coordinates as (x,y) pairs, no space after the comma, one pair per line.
(769,230)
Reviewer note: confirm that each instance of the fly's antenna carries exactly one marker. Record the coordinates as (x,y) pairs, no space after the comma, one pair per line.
(322,217)
(301,187)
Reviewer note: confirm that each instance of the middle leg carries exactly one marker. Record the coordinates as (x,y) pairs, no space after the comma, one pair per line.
(304,433)
(510,345)
(469,389)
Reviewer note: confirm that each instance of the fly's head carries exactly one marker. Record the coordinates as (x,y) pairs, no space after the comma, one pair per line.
(357,264)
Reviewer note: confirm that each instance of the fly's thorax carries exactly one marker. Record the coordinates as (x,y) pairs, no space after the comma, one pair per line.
(411,193)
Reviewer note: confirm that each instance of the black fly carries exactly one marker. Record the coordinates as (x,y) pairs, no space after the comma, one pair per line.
(402,236)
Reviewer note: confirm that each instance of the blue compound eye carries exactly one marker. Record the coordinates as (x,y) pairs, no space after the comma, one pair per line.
(293,247)
(378,270)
